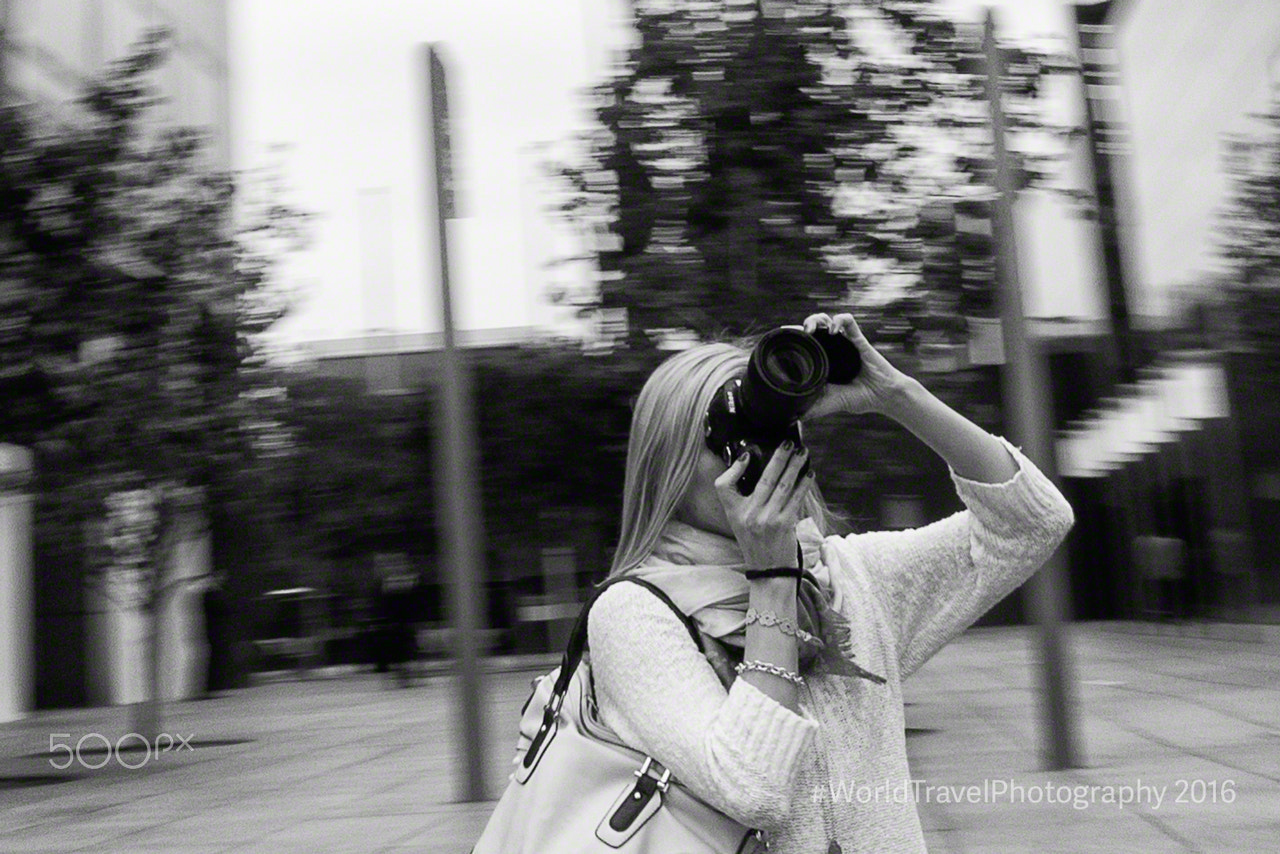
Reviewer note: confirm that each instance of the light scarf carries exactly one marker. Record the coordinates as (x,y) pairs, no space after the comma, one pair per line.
(702,572)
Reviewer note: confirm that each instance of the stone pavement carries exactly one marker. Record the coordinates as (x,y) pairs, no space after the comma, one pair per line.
(1183,727)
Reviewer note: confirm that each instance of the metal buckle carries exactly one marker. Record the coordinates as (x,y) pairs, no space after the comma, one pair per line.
(661,782)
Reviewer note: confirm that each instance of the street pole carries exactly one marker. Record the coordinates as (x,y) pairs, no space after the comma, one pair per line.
(1025,382)
(4,53)
(456,487)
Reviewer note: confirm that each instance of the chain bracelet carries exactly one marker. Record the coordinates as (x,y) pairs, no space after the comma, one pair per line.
(782,624)
(765,667)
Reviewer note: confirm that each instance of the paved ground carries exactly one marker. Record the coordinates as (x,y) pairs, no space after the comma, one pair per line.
(1187,725)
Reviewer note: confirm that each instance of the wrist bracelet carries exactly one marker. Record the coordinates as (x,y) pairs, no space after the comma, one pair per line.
(778,572)
(796,572)
(765,667)
(782,624)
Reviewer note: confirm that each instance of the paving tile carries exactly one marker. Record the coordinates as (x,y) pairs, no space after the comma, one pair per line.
(337,835)
(1206,834)
(1112,835)
(453,833)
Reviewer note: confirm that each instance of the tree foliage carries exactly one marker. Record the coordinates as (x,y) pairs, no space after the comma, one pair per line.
(357,478)
(1250,239)
(134,299)
(753,161)
(553,428)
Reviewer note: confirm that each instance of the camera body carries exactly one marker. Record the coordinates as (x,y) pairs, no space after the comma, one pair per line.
(788,371)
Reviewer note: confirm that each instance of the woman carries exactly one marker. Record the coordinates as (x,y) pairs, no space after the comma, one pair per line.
(814,708)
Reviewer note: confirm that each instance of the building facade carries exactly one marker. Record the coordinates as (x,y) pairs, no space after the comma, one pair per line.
(52,46)
(1167,84)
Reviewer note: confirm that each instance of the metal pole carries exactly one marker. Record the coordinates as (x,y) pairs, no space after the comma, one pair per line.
(4,53)
(1025,382)
(456,487)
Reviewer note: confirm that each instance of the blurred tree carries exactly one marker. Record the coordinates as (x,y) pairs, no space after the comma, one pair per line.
(553,428)
(756,160)
(1250,241)
(359,479)
(134,299)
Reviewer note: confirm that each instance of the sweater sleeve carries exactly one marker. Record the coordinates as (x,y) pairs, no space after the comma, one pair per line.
(738,750)
(934,582)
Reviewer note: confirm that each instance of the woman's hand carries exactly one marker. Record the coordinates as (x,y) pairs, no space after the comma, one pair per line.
(970,451)
(764,522)
(878,386)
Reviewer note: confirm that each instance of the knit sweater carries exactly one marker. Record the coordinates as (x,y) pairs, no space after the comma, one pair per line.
(838,769)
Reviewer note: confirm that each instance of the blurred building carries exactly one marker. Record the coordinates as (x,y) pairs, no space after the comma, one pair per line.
(48,50)
(52,46)
(1189,73)
(1167,82)
(401,362)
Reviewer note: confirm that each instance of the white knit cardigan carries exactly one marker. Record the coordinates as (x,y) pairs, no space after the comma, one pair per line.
(906,594)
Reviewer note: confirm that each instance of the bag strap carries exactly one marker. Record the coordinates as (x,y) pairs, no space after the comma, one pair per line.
(578,638)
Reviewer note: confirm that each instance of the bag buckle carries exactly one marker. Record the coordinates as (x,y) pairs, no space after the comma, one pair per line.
(662,782)
(634,806)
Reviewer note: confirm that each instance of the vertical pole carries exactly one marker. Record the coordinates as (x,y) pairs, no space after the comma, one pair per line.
(4,53)
(456,488)
(1025,382)
(17,584)
(1108,139)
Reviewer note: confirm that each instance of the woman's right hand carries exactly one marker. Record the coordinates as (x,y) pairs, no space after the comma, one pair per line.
(764,522)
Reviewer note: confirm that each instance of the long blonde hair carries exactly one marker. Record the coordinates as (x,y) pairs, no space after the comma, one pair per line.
(665,442)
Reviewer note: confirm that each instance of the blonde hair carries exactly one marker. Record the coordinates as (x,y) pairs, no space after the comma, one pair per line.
(666,439)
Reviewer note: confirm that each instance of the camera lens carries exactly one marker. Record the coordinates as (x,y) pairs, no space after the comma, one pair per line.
(786,374)
(789,366)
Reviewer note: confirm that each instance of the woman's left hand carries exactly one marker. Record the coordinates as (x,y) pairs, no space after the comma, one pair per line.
(877,385)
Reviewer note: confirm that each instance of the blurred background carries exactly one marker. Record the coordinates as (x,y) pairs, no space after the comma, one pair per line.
(222,347)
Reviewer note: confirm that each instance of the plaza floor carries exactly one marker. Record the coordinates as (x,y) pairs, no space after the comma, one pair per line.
(1183,722)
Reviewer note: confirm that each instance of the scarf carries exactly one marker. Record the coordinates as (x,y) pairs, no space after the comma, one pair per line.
(702,572)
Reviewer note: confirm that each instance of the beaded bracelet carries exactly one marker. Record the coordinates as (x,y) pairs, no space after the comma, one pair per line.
(782,624)
(765,667)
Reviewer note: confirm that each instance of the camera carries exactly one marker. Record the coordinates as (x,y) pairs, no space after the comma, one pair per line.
(788,371)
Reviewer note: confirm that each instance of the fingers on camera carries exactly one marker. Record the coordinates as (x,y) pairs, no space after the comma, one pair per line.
(817,321)
(792,462)
(728,481)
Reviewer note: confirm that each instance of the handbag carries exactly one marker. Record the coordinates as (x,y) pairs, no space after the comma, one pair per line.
(577,789)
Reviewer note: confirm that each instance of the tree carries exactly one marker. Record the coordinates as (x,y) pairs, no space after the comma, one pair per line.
(1250,239)
(553,427)
(756,160)
(134,302)
(349,498)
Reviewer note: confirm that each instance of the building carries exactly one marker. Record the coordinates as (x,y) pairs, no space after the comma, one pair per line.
(1167,84)
(401,362)
(48,50)
(52,46)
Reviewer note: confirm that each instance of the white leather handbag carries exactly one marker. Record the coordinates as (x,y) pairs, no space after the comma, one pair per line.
(577,789)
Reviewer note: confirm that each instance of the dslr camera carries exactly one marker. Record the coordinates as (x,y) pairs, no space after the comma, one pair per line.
(788,371)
